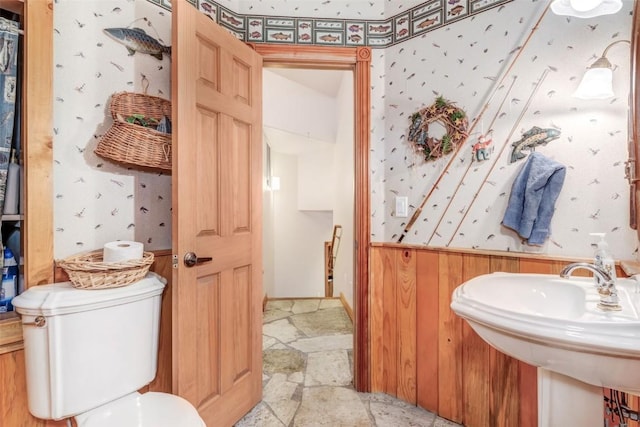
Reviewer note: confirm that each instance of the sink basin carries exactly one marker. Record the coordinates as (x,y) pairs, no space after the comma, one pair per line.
(555,324)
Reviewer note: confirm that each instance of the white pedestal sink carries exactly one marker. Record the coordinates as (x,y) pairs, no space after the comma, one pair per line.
(564,401)
(555,324)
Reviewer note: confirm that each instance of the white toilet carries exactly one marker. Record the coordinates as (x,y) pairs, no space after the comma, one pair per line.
(88,351)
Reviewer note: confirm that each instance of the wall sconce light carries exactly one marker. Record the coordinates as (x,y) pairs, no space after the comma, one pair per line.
(275,183)
(585,8)
(597,82)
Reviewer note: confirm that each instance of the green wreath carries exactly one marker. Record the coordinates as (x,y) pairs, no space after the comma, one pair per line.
(452,118)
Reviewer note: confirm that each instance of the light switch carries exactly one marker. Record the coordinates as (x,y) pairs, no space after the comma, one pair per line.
(402,207)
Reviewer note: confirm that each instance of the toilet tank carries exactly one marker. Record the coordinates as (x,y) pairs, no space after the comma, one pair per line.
(95,345)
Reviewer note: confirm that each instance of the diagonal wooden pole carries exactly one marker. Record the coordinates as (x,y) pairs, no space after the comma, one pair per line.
(418,211)
(506,142)
(444,211)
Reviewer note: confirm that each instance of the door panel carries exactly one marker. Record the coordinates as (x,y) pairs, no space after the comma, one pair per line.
(240,169)
(217,149)
(208,220)
(208,338)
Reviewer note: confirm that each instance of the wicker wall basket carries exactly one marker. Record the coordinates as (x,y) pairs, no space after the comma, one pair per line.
(133,144)
(88,271)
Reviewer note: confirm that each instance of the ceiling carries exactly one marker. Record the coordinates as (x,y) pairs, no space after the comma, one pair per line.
(326,82)
(283,141)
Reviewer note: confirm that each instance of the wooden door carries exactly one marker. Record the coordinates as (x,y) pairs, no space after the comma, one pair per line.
(217,149)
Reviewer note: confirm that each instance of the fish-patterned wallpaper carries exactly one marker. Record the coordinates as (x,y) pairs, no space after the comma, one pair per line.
(97,201)
(339,22)
(464,64)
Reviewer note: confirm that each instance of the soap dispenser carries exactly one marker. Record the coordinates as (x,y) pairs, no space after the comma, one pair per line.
(603,258)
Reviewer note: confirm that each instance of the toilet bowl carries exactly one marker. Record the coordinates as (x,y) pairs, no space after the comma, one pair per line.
(88,352)
(150,409)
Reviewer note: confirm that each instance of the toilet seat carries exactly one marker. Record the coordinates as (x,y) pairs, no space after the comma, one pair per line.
(150,409)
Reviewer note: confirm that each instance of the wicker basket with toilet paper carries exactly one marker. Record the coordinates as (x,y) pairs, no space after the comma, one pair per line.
(118,264)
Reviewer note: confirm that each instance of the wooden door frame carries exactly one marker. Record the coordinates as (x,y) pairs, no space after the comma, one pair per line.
(37,156)
(633,164)
(357,59)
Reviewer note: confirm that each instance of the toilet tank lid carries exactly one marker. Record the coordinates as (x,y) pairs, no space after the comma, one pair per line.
(63,298)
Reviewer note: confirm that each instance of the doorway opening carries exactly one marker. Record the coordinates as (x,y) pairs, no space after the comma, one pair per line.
(308,222)
(358,61)
(308,204)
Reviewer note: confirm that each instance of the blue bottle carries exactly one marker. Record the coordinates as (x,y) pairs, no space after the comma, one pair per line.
(9,281)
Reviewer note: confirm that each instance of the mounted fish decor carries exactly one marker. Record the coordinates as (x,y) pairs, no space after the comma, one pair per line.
(530,140)
(452,118)
(137,40)
(481,150)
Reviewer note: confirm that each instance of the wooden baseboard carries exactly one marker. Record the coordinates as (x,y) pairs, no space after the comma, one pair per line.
(264,302)
(347,307)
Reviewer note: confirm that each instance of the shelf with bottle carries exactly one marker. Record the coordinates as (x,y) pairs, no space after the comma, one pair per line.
(9,287)
(11,197)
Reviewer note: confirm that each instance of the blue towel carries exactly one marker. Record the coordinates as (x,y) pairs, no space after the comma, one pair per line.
(533,197)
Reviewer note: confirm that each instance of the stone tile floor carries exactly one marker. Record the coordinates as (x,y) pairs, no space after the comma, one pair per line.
(307,371)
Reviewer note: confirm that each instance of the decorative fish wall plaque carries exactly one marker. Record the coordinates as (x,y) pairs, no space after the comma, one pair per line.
(137,40)
(530,140)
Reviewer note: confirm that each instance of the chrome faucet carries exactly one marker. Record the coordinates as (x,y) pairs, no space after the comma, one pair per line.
(606,284)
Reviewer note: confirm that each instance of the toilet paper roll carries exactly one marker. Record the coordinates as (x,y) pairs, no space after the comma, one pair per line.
(122,251)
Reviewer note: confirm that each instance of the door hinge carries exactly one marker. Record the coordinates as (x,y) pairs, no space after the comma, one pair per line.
(630,171)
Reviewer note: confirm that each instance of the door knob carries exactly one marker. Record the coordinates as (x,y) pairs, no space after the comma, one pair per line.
(191,259)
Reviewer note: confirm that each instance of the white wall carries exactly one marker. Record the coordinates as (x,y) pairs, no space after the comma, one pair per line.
(268,218)
(343,211)
(299,236)
(289,233)
(297,109)
(316,179)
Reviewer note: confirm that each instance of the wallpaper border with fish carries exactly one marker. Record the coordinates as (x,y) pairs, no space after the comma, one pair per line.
(406,25)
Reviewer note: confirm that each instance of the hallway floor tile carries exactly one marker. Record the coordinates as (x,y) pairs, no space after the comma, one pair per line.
(307,374)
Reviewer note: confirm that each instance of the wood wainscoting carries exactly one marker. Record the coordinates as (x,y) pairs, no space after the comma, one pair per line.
(14,411)
(421,351)
(424,354)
